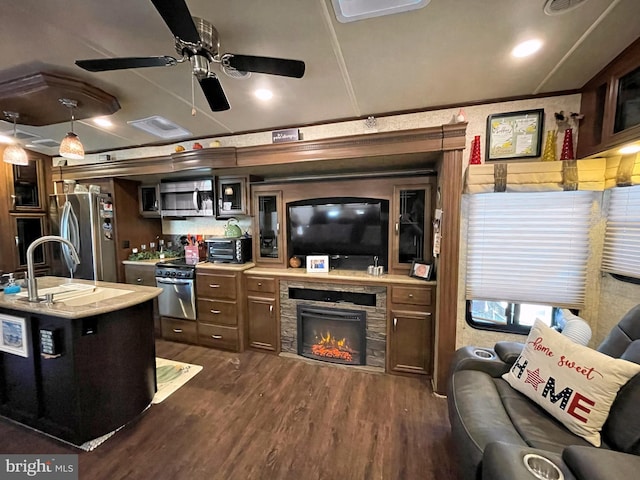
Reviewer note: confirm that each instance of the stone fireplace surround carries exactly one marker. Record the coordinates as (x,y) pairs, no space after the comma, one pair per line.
(376,329)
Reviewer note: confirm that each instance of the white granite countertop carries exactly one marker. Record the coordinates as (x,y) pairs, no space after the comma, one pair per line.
(338,275)
(129,295)
(237,267)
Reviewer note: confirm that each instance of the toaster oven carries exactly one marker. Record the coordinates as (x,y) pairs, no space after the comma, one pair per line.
(229,250)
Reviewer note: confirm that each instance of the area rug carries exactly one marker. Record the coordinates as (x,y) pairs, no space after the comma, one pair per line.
(171,376)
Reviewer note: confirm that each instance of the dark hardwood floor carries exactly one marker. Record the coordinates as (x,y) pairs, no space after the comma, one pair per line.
(259,416)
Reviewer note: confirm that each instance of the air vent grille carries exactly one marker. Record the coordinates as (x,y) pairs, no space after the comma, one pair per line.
(558,7)
(20,134)
(160,127)
(46,142)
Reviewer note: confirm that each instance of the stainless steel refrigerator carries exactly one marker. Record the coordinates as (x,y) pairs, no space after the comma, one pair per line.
(86,220)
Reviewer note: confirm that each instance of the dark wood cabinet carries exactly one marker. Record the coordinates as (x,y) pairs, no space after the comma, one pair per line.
(263,330)
(149,200)
(220,314)
(410,329)
(268,242)
(611,105)
(233,196)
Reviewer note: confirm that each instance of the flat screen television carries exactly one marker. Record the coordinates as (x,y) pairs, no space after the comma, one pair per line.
(339,226)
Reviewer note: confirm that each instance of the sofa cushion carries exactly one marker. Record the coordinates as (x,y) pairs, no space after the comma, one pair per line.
(536,427)
(595,464)
(620,337)
(575,384)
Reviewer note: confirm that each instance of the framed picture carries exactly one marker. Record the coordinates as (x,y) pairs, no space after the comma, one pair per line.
(515,134)
(317,263)
(14,338)
(421,269)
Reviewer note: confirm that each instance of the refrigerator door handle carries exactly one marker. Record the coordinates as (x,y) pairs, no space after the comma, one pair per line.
(196,200)
(69,231)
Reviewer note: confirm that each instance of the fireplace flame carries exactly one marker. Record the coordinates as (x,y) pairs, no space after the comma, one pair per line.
(331,347)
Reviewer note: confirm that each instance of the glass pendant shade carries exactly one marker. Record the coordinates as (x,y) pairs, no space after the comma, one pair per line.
(15,155)
(71,147)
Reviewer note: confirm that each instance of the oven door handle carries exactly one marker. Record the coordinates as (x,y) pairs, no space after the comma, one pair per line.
(172,282)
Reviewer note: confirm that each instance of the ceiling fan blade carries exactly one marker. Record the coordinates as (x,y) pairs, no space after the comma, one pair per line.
(104,64)
(269,65)
(176,15)
(214,94)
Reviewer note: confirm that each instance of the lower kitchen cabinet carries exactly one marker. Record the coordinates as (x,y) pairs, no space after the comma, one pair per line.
(410,330)
(263,330)
(220,316)
(177,330)
(144,274)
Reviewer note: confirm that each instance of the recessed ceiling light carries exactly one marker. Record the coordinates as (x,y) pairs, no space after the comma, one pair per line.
(263,94)
(103,122)
(527,48)
(629,149)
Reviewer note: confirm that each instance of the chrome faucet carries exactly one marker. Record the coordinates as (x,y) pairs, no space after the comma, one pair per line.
(32,286)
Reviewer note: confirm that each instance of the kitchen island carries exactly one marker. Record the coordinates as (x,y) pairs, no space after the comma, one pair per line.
(81,365)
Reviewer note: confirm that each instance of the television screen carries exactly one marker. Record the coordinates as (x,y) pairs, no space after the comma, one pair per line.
(339,226)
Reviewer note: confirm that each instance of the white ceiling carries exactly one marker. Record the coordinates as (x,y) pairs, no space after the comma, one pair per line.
(453,52)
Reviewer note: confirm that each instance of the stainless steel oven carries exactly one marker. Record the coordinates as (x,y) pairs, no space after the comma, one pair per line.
(178,298)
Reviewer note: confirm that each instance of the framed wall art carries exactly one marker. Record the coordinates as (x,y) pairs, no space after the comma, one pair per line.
(514,135)
(14,337)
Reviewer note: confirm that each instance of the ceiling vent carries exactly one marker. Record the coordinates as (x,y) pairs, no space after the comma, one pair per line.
(46,142)
(558,7)
(160,127)
(20,134)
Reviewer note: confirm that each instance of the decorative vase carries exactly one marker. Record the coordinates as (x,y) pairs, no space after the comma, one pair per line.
(549,154)
(474,159)
(295,262)
(567,145)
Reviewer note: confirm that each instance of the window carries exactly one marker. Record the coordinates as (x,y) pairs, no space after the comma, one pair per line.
(526,253)
(508,317)
(622,238)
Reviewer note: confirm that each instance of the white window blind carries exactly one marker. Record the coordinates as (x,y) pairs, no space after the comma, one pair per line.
(621,252)
(529,247)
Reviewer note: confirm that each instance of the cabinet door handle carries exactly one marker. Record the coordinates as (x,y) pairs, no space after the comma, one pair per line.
(395,322)
(411,295)
(139,280)
(217,337)
(270,309)
(213,285)
(259,284)
(17,240)
(397,228)
(215,311)
(177,330)
(428,314)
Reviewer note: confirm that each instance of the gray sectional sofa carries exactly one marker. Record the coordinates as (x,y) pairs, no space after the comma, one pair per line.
(494,426)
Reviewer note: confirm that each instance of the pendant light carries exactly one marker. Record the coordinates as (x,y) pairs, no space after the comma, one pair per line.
(71,147)
(14,153)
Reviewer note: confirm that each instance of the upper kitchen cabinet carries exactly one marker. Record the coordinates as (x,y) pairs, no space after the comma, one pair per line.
(411,229)
(25,185)
(611,105)
(233,196)
(149,200)
(268,243)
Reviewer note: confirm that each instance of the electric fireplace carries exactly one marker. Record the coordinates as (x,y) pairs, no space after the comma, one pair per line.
(332,334)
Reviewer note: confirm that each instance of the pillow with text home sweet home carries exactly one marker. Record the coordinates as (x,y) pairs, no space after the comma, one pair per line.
(575,384)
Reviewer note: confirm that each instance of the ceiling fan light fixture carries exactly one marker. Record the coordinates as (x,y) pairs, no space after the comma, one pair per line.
(71,147)
(14,153)
(353,10)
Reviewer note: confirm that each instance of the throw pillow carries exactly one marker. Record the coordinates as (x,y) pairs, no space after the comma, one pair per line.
(574,383)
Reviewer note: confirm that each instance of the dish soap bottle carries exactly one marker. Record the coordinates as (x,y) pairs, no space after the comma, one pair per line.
(12,287)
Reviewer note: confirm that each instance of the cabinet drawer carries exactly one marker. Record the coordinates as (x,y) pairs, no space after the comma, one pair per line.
(411,295)
(140,275)
(215,285)
(217,311)
(218,336)
(179,330)
(261,284)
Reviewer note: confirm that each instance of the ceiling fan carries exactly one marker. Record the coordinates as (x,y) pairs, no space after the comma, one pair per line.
(196,40)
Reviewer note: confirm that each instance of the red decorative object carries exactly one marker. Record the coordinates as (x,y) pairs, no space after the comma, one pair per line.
(567,145)
(474,159)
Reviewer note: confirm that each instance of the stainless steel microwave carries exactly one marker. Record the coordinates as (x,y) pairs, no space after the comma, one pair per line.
(187,198)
